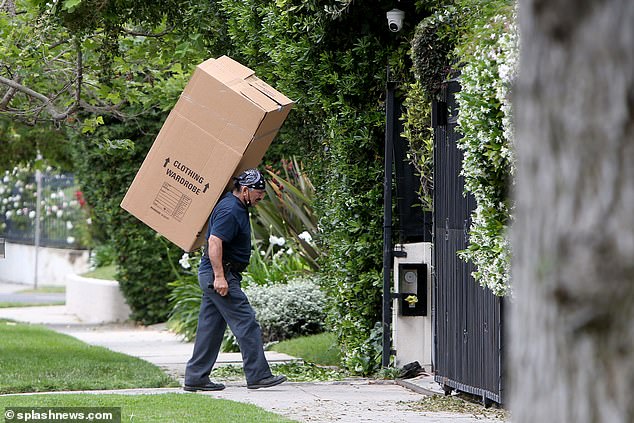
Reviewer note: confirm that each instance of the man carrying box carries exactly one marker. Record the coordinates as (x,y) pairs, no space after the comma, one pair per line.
(226,255)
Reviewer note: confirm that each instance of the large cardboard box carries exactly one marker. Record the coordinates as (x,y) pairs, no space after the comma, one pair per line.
(222,124)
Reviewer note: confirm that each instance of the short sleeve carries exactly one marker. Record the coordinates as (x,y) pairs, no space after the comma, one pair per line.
(223,225)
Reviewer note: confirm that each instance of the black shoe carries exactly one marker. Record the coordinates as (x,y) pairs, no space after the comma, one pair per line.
(206,387)
(267,382)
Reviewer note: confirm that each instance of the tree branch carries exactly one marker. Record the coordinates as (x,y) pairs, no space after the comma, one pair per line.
(148,34)
(8,96)
(50,108)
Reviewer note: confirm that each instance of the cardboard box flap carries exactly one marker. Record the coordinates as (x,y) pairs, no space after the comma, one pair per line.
(269,91)
(258,98)
(226,70)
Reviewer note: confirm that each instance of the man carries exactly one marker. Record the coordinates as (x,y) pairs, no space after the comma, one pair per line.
(227,254)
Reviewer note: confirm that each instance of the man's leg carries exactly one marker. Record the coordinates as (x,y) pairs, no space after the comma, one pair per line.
(240,316)
(211,329)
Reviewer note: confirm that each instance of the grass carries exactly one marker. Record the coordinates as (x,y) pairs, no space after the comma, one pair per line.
(36,359)
(12,304)
(40,290)
(316,351)
(44,290)
(105,272)
(320,349)
(173,407)
(295,371)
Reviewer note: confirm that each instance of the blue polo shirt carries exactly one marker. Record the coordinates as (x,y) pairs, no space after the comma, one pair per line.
(229,221)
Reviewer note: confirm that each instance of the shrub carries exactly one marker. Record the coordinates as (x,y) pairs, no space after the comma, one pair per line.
(288,310)
(283,310)
(287,211)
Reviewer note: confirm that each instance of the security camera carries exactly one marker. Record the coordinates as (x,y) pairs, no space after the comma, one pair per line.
(395,19)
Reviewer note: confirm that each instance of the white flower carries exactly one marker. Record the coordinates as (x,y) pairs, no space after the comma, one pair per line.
(32,214)
(69,224)
(305,236)
(89,221)
(277,241)
(8,214)
(184,261)
(70,240)
(289,251)
(59,214)
(53,196)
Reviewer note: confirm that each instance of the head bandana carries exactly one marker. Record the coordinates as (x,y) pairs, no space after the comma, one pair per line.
(251,178)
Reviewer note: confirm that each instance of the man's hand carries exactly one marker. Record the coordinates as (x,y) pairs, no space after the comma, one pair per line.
(221,286)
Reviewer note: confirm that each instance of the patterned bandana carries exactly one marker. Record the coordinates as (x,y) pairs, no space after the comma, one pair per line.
(251,178)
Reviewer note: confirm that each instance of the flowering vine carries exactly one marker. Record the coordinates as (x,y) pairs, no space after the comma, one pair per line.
(485,120)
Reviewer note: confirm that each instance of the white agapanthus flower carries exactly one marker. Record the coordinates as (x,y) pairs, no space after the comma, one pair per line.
(184,261)
(70,239)
(32,214)
(277,241)
(305,236)
(69,224)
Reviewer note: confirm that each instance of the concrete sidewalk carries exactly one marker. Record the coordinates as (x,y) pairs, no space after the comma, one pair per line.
(151,343)
(354,400)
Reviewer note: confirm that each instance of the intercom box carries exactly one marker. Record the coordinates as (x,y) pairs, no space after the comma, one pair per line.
(223,123)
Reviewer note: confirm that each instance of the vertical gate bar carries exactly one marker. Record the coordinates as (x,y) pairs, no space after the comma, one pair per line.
(387,220)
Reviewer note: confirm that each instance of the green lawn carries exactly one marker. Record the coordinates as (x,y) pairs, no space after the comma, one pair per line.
(105,272)
(36,359)
(12,304)
(46,289)
(320,349)
(173,408)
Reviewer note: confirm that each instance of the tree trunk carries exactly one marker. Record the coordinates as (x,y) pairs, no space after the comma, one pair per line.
(572,318)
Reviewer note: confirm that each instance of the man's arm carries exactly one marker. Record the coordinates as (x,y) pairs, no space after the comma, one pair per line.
(215,257)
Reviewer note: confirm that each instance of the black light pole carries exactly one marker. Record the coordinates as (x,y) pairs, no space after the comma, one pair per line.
(387,220)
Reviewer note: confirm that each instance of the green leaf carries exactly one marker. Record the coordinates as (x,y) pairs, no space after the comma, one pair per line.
(70,5)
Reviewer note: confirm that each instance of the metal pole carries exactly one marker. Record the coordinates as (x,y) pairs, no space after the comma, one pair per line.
(38,200)
(387,221)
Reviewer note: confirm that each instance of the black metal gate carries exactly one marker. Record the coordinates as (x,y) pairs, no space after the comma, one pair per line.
(467,318)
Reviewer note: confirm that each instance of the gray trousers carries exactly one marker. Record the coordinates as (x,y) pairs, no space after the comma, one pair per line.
(216,312)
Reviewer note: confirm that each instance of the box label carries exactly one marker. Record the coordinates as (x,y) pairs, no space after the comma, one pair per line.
(185,176)
(171,202)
